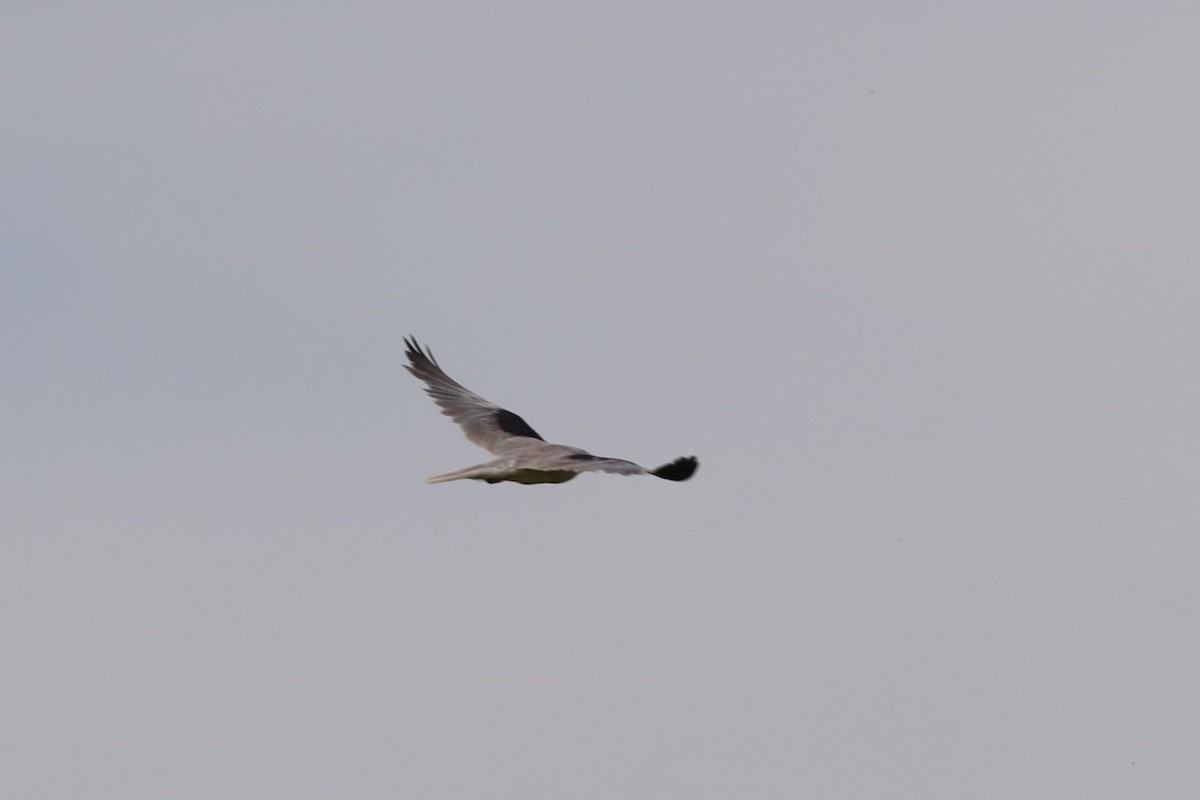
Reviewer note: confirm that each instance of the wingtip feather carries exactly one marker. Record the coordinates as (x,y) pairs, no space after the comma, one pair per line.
(678,470)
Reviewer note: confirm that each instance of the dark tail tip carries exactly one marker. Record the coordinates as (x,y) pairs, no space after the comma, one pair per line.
(678,470)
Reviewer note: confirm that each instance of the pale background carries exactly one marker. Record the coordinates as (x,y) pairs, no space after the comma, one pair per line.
(919,283)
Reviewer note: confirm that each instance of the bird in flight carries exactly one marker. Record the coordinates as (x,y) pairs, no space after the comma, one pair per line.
(521,454)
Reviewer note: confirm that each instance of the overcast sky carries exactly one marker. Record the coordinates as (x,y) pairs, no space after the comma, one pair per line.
(918,283)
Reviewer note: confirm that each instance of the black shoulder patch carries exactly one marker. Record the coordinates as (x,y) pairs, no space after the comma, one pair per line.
(583,456)
(511,423)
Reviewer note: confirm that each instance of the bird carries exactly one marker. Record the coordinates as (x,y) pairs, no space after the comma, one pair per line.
(522,455)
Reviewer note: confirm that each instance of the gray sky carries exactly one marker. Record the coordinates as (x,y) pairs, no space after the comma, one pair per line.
(918,284)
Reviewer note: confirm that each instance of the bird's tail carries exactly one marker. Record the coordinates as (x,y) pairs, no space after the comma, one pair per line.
(479,472)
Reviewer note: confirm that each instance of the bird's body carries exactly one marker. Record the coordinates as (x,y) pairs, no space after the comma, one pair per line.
(522,456)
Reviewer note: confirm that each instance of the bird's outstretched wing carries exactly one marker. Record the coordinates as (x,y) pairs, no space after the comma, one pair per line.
(485,423)
(678,470)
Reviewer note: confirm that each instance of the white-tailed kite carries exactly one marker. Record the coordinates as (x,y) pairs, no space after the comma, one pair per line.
(522,455)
